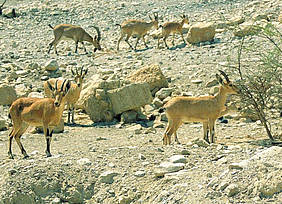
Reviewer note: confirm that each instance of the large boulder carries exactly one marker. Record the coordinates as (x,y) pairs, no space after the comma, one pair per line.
(129,97)
(94,101)
(201,32)
(103,100)
(8,94)
(151,74)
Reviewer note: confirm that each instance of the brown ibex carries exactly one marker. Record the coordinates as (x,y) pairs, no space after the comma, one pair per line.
(46,112)
(73,93)
(137,27)
(76,33)
(172,27)
(205,109)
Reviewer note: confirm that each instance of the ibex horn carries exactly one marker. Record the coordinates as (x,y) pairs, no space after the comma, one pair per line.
(225,75)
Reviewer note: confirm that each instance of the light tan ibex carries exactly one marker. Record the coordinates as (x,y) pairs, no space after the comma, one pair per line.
(205,109)
(46,112)
(137,27)
(73,93)
(172,27)
(76,33)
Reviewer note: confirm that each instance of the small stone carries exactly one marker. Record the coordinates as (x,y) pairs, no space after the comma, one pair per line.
(197,81)
(169,167)
(185,152)
(84,161)
(158,124)
(124,200)
(164,93)
(157,102)
(56,200)
(237,166)
(222,186)
(44,78)
(51,65)
(200,142)
(139,173)
(136,129)
(141,157)
(108,177)
(232,190)
(178,159)
(12,171)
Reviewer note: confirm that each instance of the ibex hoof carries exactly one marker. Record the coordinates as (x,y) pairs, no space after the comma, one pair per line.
(10,156)
(48,154)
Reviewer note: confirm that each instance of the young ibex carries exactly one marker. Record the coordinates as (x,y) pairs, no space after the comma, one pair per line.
(73,93)
(205,109)
(46,112)
(172,27)
(76,33)
(137,27)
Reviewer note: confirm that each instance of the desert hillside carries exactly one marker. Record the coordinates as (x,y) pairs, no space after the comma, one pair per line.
(114,152)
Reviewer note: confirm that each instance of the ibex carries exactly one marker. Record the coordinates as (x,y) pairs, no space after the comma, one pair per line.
(76,33)
(46,112)
(205,109)
(73,93)
(1,7)
(137,27)
(172,27)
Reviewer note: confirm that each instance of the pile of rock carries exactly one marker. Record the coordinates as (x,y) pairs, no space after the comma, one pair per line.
(103,100)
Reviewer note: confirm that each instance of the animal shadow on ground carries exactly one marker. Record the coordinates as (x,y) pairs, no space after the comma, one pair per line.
(180,46)
(262,143)
(77,125)
(142,50)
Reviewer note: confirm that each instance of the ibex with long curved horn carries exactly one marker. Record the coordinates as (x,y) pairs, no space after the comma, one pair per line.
(46,112)
(137,27)
(76,33)
(205,109)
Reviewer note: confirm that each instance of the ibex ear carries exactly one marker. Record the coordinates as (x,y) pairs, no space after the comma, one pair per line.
(50,86)
(150,18)
(85,72)
(219,79)
(95,37)
(68,85)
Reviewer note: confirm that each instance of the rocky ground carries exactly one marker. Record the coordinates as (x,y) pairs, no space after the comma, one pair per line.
(127,163)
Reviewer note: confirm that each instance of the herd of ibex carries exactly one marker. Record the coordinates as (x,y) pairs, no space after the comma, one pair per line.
(47,112)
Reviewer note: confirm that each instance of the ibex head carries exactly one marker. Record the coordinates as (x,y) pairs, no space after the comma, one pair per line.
(228,85)
(185,19)
(79,76)
(155,20)
(59,94)
(96,40)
